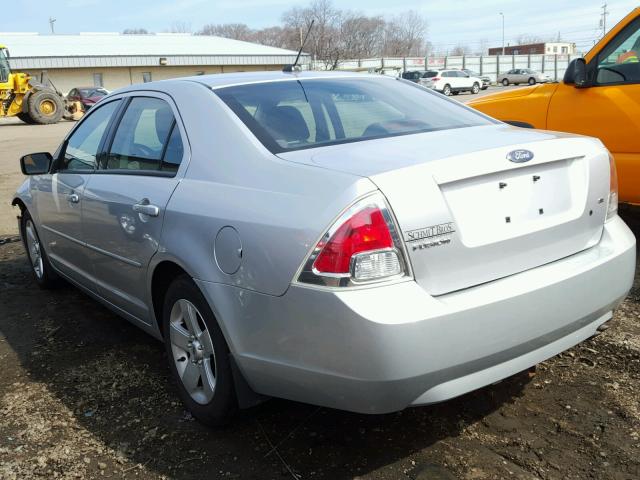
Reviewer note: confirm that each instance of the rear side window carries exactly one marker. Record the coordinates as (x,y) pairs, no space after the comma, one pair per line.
(83,144)
(147,138)
(298,114)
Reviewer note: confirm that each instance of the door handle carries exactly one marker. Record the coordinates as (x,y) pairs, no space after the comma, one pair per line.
(146,208)
(74,198)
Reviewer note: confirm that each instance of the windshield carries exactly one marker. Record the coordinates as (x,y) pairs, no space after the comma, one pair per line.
(93,92)
(4,67)
(293,115)
(430,74)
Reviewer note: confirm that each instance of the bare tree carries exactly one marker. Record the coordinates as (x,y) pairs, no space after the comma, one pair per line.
(180,27)
(273,36)
(237,31)
(337,34)
(526,39)
(324,38)
(460,50)
(361,36)
(135,31)
(405,35)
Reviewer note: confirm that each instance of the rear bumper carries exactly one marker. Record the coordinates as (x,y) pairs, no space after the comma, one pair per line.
(382,349)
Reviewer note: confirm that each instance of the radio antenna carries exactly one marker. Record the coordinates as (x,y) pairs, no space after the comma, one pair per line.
(295,67)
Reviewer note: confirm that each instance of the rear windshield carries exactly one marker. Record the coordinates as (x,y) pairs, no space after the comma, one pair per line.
(430,74)
(411,75)
(294,115)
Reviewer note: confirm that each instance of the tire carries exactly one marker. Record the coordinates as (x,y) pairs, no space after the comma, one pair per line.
(45,107)
(532,81)
(475,89)
(198,354)
(447,90)
(42,271)
(505,82)
(26,118)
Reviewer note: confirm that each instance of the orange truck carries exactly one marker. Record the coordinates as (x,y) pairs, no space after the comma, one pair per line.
(599,96)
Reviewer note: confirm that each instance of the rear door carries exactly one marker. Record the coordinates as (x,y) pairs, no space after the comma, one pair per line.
(126,198)
(60,196)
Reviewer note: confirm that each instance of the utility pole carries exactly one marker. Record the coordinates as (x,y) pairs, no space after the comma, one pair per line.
(51,22)
(603,19)
(502,15)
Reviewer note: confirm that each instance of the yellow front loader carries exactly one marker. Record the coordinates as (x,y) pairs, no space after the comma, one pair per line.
(29,101)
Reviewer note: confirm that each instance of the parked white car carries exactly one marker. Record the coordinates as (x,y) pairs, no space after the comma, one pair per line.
(452,82)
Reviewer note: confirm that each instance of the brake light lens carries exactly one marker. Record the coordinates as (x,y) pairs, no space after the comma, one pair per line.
(362,246)
(612,206)
(366,230)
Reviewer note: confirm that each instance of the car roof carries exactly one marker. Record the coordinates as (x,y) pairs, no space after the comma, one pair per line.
(220,80)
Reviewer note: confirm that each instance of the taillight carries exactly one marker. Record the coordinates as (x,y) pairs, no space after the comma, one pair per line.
(435,79)
(362,246)
(612,206)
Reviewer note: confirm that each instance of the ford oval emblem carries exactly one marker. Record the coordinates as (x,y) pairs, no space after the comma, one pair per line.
(520,156)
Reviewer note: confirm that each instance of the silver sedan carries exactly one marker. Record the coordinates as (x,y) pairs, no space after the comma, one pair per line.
(347,240)
(522,75)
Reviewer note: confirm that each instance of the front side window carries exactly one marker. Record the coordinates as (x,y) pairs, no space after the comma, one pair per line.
(619,61)
(84,142)
(293,115)
(143,136)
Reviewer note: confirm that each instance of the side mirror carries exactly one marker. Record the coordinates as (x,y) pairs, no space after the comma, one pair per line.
(576,73)
(36,163)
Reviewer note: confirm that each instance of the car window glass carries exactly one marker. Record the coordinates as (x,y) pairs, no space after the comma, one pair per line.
(619,61)
(174,152)
(141,136)
(83,144)
(291,115)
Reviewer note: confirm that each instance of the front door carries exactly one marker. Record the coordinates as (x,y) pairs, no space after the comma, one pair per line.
(60,196)
(126,198)
(610,108)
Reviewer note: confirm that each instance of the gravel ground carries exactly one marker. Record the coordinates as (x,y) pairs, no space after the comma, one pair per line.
(84,394)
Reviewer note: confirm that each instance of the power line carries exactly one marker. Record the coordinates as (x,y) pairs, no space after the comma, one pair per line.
(603,19)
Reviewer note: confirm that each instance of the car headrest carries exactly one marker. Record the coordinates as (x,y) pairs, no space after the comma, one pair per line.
(285,122)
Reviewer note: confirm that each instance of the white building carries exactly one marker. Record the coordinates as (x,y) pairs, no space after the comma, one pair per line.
(560,48)
(113,60)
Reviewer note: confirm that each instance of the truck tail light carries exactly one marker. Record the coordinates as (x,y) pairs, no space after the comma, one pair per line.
(363,245)
(612,206)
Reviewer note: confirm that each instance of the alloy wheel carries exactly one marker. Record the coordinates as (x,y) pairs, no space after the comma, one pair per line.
(193,352)
(33,247)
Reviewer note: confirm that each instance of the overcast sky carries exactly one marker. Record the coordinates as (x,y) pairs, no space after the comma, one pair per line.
(450,22)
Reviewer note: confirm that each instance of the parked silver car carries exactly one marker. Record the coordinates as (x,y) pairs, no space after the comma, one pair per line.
(523,75)
(347,240)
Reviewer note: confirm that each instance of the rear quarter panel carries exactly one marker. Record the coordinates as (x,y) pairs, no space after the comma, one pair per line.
(279,208)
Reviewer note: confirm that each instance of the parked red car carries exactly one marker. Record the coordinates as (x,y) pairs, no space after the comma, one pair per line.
(87,96)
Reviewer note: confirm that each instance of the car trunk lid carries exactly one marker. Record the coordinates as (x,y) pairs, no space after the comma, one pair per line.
(475,216)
